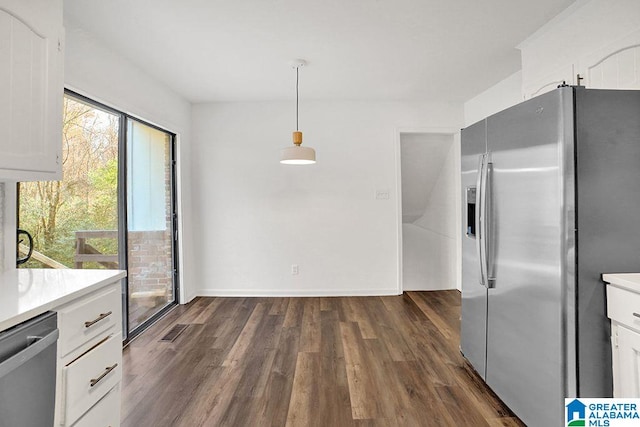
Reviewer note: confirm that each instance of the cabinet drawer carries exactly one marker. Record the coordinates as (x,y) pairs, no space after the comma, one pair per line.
(79,323)
(105,413)
(623,306)
(102,367)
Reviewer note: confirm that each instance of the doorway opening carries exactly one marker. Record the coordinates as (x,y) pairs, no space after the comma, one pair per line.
(429,168)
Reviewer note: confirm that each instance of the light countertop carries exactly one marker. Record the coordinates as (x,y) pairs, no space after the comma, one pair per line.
(26,293)
(629,281)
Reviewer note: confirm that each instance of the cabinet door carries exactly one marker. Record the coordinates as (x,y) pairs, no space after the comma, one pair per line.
(615,66)
(31,85)
(549,82)
(628,357)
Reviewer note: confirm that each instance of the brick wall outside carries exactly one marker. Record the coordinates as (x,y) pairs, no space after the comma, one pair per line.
(150,261)
(150,252)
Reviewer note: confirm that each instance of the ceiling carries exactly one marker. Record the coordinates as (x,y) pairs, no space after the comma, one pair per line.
(236,50)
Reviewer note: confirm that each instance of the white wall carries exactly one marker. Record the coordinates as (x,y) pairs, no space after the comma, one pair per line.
(429,185)
(256,217)
(97,72)
(503,95)
(422,156)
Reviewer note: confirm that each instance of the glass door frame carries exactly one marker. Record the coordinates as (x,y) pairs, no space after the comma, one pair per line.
(127,334)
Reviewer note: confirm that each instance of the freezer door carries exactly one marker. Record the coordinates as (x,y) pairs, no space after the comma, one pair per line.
(524,327)
(473,342)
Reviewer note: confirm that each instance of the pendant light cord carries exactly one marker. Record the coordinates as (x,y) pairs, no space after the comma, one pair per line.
(297,78)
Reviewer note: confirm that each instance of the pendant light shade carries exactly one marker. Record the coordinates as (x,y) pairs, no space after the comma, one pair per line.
(298,155)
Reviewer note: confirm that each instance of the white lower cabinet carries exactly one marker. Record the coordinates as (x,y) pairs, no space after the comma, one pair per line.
(623,308)
(626,356)
(90,360)
(105,413)
(92,376)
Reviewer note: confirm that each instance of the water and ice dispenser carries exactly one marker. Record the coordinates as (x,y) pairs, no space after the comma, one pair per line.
(471,211)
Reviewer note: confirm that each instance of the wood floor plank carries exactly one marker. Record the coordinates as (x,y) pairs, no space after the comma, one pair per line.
(304,395)
(362,379)
(353,361)
(310,331)
(451,396)
(361,316)
(245,338)
(279,306)
(422,396)
(293,317)
(242,410)
(326,303)
(433,316)
(176,394)
(334,399)
(231,326)
(274,409)
(504,422)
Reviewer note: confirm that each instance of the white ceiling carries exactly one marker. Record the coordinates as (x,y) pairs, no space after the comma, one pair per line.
(231,50)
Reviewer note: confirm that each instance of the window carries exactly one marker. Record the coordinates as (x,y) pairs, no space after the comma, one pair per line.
(114,208)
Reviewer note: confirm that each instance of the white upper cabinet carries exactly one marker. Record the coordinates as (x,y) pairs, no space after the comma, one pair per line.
(617,66)
(31,89)
(597,40)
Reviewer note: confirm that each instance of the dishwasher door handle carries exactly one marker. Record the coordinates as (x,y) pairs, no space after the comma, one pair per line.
(28,353)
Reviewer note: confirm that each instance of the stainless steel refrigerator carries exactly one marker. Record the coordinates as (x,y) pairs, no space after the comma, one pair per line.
(551,197)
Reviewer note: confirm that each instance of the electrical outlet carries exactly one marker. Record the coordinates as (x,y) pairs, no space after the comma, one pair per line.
(294,269)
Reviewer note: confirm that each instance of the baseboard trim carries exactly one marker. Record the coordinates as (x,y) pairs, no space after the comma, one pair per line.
(295,293)
(430,289)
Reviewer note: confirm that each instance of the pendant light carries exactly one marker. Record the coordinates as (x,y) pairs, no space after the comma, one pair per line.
(298,155)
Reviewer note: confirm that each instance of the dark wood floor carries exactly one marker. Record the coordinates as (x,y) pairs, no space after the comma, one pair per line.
(359,361)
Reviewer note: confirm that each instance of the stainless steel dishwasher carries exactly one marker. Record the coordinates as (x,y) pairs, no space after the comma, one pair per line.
(28,372)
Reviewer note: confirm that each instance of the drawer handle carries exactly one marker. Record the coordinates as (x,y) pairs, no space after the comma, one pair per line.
(104,374)
(97,319)
(636,314)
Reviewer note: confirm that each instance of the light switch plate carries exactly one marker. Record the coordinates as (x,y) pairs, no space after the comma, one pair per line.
(382,194)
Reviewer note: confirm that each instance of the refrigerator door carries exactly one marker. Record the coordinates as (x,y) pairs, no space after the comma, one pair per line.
(473,341)
(525,363)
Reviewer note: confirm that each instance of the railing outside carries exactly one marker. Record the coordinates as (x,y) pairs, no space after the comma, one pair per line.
(85,252)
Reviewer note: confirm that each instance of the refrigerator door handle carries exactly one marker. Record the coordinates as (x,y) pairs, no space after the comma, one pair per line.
(487,211)
(480,200)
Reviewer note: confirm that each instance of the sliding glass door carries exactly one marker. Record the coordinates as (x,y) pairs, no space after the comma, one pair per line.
(150,222)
